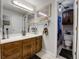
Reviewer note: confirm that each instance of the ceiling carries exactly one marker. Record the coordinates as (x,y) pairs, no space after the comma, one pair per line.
(36,4)
(8,5)
(67,2)
(39,4)
(42,5)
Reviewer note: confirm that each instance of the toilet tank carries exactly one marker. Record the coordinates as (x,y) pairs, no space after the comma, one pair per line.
(68,37)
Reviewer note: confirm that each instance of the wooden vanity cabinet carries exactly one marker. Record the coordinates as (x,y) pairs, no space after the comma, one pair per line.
(21,49)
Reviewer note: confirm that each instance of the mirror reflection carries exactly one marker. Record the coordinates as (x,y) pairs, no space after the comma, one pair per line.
(21,17)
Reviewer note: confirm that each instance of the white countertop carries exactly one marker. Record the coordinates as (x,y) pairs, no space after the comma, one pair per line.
(18,37)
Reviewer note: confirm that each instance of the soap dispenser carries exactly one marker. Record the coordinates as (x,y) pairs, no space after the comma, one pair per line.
(7,32)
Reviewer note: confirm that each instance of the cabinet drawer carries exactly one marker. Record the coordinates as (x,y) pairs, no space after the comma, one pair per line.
(11,52)
(27,46)
(26,42)
(12,45)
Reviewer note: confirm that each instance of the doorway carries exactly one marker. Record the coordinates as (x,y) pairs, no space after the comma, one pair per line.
(65,28)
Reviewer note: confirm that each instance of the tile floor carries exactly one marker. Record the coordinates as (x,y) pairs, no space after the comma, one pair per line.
(44,55)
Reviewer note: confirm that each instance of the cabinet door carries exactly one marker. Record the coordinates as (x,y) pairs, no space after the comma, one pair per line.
(39,44)
(27,48)
(12,50)
(33,45)
(36,44)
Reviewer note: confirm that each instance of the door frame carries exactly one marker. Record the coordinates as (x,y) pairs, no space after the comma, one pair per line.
(75,32)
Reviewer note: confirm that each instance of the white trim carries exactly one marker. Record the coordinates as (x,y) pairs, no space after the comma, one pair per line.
(74,30)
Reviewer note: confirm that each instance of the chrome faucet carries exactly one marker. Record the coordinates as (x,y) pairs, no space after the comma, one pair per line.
(34,29)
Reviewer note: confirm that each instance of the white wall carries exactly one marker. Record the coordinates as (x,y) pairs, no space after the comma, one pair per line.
(15,19)
(74,30)
(50,42)
(52,39)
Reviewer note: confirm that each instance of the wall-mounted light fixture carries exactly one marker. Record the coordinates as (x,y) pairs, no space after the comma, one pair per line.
(43,14)
(19,4)
(60,9)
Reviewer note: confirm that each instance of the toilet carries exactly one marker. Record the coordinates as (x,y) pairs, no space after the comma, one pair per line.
(68,40)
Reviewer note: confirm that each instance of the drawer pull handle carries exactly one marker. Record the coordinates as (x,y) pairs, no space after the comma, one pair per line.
(28,46)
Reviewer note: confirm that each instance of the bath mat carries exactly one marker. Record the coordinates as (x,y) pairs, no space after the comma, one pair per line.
(35,57)
(66,53)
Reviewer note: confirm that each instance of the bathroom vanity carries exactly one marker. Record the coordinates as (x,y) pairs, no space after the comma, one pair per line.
(21,47)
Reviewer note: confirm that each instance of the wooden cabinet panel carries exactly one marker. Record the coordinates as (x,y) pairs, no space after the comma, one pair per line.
(34,45)
(12,45)
(27,47)
(11,50)
(39,44)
